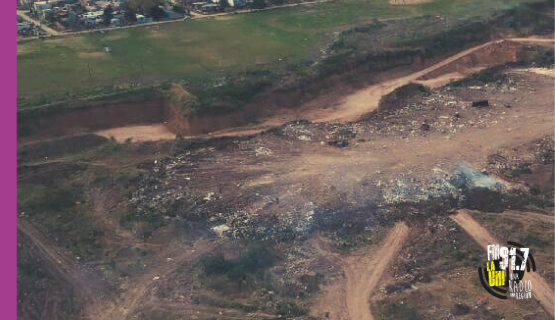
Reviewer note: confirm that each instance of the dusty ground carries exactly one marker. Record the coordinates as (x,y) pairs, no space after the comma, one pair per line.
(543,291)
(347,298)
(138,133)
(324,195)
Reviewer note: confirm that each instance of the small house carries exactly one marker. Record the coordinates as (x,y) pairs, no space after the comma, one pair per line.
(116,22)
(211,7)
(39,6)
(198,5)
(143,19)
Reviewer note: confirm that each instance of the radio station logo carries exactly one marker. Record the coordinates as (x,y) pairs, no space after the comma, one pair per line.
(503,276)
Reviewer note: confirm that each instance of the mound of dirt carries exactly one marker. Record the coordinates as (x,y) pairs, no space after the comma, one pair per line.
(495,53)
(399,97)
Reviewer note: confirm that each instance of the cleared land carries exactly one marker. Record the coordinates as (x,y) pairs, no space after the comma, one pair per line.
(543,292)
(294,222)
(157,203)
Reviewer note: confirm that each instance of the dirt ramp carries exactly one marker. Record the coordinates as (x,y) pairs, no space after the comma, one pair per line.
(494,54)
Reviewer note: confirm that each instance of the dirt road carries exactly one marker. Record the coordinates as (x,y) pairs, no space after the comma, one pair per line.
(49,31)
(350,299)
(531,216)
(350,108)
(354,106)
(541,290)
(363,277)
(61,266)
(141,291)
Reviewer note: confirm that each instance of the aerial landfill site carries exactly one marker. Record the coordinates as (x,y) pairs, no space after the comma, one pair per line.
(372,192)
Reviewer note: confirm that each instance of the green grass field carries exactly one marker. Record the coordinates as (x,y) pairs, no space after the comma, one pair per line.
(62,68)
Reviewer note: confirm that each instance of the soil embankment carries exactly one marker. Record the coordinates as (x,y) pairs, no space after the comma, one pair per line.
(90,119)
(271,110)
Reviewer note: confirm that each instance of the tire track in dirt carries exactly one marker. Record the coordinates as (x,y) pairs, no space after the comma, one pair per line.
(538,217)
(141,292)
(351,299)
(60,265)
(541,290)
(362,278)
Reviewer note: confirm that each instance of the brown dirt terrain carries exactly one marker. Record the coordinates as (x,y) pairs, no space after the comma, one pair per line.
(348,298)
(543,292)
(153,132)
(87,120)
(274,113)
(293,173)
(87,288)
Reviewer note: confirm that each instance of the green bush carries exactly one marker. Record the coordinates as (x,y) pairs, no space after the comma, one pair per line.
(186,103)
(290,310)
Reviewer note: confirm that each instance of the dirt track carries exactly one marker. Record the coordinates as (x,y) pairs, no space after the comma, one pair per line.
(349,300)
(140,293)
(61,265)
(364,276)
(542,291)
(352,107)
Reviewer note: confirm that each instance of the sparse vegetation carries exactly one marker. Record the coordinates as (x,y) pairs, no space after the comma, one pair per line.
(186,103)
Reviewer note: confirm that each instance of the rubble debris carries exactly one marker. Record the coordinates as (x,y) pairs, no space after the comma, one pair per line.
(341,143)
(300,130)
(480,103)
(262,151)
(221,230)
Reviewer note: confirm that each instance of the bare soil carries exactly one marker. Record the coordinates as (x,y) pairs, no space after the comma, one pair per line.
(277,174)
(348,297)
(91,55)
(542,291)
(143,133)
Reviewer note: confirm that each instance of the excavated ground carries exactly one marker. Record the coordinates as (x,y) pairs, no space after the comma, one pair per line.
(356,213)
